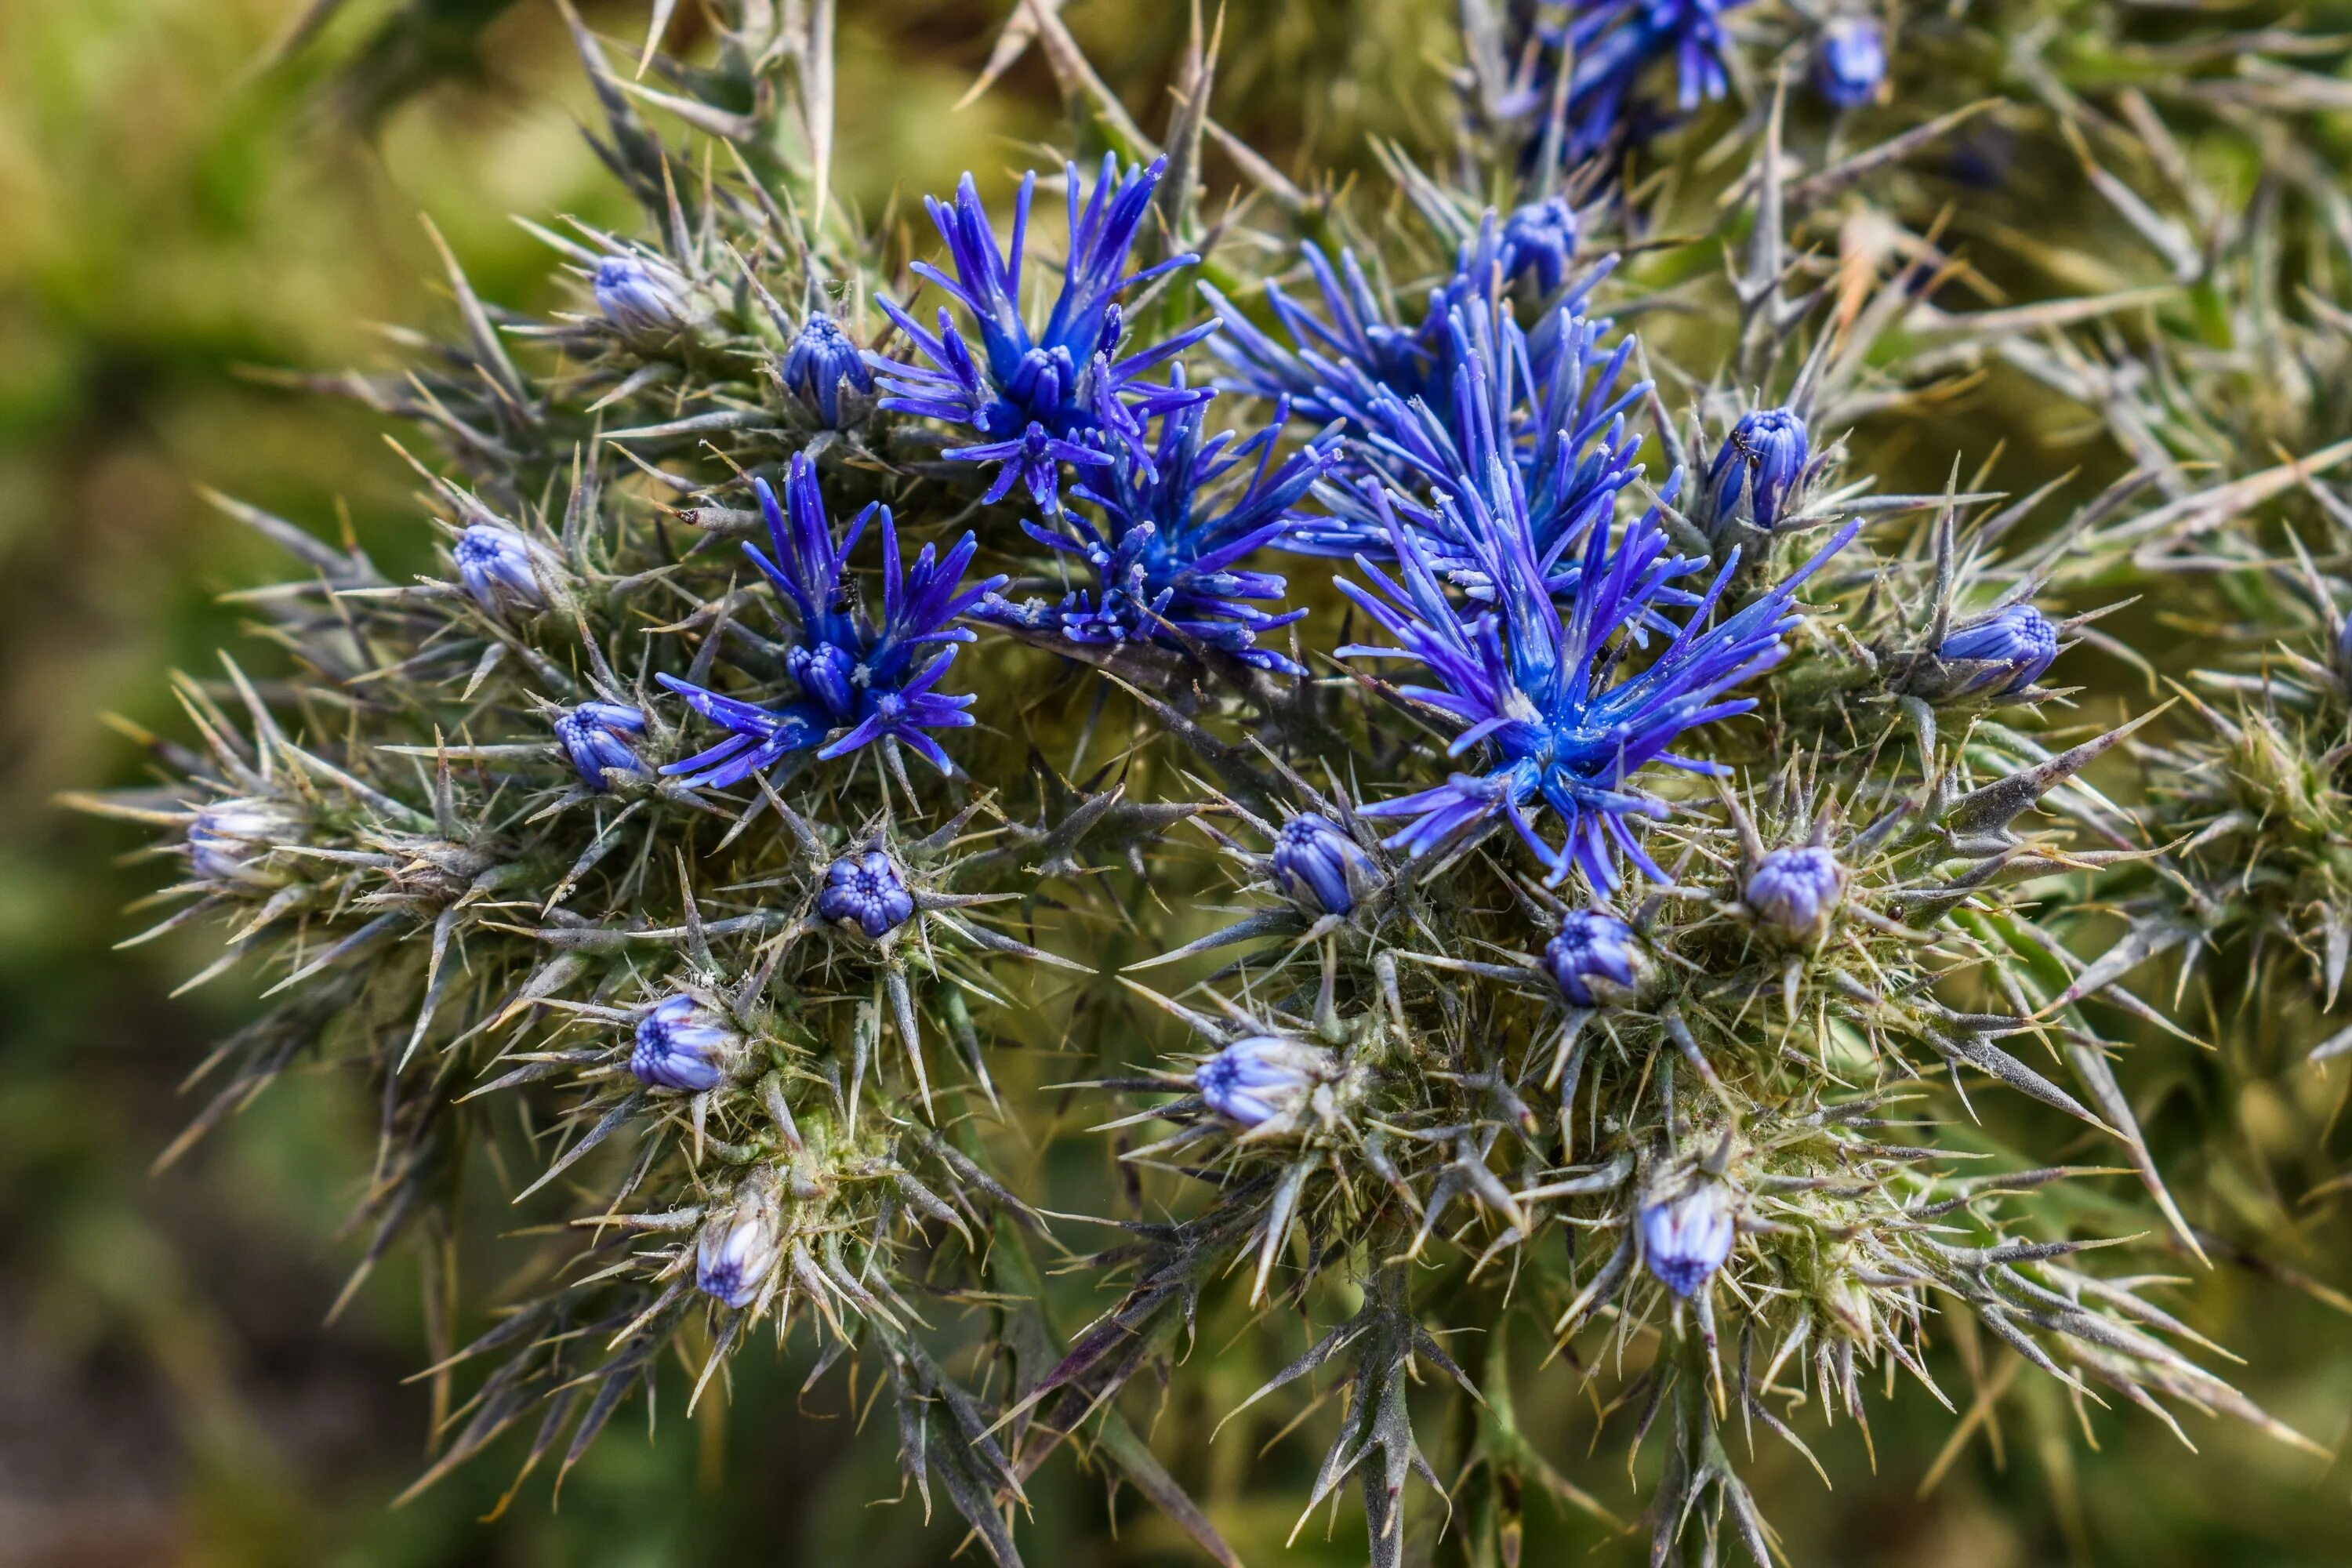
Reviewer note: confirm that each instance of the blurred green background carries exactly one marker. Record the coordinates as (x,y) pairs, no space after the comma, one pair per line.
(170,1390)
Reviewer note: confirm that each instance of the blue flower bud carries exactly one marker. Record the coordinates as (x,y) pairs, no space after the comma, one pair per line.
(1258,1079)
(739,1247)
(641,297)
(497,566)
(595,736)
(867,890)
(683,1044)
(820,363)
(1852,61)
(230,840)
(1317,866)
(1685,1238)
(1597,960)
(1765,454)
(1539,241)
(2009,650)
(1796,891)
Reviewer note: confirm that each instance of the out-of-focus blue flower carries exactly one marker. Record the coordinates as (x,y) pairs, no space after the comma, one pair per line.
(1685,1238)
(1597,960)
(1615,43)
(1764,458)
(823,363)
(1562,718)
(867,891)
(1166,556)
(229,841)
(2009,649)
(860,679)
(682,1045)
(1032,393)
(643,296)
(1539,242)
(595,736)
(1257,1079)
(1317,866)
(739,1248)
(1795,890)
(499,566)
(1513,447)
(1852,61)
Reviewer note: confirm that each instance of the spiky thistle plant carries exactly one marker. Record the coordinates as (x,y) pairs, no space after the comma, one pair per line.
(1653,837)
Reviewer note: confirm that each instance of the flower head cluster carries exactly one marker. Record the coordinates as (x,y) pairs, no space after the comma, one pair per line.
(1544,692)
(1054,394)
(860,679)
(1166,555)
(1523,434)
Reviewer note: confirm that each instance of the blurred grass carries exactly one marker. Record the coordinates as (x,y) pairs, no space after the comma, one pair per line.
(168,1393)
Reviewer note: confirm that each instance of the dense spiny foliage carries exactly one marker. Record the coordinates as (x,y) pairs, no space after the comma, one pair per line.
(1516,829)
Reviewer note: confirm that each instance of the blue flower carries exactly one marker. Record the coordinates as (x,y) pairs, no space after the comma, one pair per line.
(1597,960)
(1339,365)
(594,735)
(1795,890)
(867,891)
(1615,43)
(1852,61)
(1764,458)
(643,296)
(2007,651)
(1029,389)
(1520,436)
(682,1045)
(1685,1238)
(1255,1080)
(1318,867)
(860,680)
(230,842)
(1166,556)
(1551,701)
(499,566)
(1539,242)
(739,1247)
(820,363)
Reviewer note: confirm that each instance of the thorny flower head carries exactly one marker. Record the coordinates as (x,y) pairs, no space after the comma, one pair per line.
(867,891)
(1035,394)
(861,680)
(826,372)
(596,737)
(1543,693)
(1167,555)
(680,1043)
